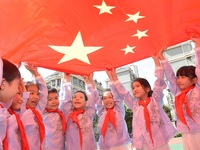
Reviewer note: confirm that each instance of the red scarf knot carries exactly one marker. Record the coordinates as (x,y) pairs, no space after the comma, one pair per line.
(62,117)
(179,101)
(24,141)
(74,115)
(40,123)
(110,117)
(147,116)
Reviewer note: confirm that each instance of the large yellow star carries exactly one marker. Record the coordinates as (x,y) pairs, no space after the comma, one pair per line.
(104,8)
(76,51)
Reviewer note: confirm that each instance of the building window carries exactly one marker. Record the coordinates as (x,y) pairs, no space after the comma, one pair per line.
(82,84)
(53,83)
(58,82)
(74,90)
(75,81)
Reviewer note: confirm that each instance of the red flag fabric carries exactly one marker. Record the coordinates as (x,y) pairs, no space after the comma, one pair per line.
(80,37)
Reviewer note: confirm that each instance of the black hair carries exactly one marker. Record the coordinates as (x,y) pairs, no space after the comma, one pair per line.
(188,71)
(53,90)
(86,98)
(106,90)
(31,84)
(145,84)
(10,71)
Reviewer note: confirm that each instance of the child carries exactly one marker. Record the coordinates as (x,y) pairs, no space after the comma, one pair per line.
(186,86)
(16,133)
(112,126)
(151,126)
(79,115)
(35,105)
(9,81)
(54,121)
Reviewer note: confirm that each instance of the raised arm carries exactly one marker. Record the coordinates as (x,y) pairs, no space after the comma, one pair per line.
(65,95)
(116,97)
(90,105)
(25,96)
(196,39)
(122,92)
(169,73)
(159,84)
(42,87)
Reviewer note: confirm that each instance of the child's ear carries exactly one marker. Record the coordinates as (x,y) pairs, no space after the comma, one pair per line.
(194,80)
(2,86)
(147,89)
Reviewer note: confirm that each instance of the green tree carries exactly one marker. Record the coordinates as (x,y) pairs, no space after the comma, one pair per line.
(167,111)
(128,119)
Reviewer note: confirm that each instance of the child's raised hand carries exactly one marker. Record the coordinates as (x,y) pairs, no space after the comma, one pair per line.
(32,68)
(67,77)
(160,53)
(155,57)
(196,39)
(21,83)
(114,74)
(86,79)
(109,73)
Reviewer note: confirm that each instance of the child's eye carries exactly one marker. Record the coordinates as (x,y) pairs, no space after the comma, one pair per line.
(49,99)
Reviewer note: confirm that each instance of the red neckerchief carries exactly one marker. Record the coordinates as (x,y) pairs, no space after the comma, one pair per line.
(5,140)
(110,116)
(74,115)
(179,101)
(147,116)
(40,123)
(24,141)
(61,116)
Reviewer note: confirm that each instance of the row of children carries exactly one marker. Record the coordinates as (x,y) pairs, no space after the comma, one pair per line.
(37,119)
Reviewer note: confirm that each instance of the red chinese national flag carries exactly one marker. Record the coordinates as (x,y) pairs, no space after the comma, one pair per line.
(82,36)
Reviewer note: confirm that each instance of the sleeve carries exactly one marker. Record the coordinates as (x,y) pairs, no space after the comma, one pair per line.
(43,94)
(65,98)
(99,106)
(1,70)
(159,84)
(25,96)
(197,71)
(90,105)
(125,94)
(3,124)
(171,78)
(119,105)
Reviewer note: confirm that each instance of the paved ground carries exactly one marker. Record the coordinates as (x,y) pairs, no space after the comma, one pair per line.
(176,144)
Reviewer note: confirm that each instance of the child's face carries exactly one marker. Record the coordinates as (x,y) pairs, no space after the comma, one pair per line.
(33,97)
(52,101)
(184,82)
(78,101)
(8,91)
(139,91)
(17,100)
(108,100)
